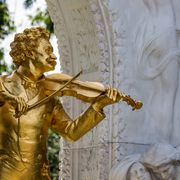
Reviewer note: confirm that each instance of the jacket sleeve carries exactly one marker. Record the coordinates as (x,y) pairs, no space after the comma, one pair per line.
(73,130)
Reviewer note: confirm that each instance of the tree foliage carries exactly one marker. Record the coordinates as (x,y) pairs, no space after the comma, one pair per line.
(6,27)
(41,17)
(53,154)
(6,24)
(28,3)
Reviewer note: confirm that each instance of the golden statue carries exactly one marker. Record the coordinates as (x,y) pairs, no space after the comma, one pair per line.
(29,106)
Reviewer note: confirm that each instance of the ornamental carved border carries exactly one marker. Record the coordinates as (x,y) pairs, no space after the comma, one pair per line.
(75,22)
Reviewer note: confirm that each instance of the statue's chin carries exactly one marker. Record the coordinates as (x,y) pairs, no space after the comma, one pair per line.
(50,68)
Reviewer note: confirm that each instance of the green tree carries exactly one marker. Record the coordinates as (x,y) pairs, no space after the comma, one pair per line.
(53,154)
(6,27)
(41,17)
(6,23)
(28,3)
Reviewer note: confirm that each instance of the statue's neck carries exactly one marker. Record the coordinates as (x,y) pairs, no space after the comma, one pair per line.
(31,73)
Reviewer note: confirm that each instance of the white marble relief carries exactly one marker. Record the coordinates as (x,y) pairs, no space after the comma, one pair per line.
(133,46)
(159,162)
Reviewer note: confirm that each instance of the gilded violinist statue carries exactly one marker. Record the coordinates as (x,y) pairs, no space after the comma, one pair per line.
(24,130)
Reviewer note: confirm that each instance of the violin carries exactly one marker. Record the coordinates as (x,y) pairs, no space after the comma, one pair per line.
(65,85)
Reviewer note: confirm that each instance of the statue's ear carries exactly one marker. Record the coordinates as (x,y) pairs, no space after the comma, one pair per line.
(33,55)
(30,54)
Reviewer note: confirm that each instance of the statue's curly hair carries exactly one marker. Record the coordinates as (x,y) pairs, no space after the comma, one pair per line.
(25,44)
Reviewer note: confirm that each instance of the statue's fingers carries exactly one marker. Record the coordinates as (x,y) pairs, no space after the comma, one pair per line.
(24,107)
(15,102)
(115,95)
(27,106)
(111,93)
(108,91)
(120,96)
(19,106)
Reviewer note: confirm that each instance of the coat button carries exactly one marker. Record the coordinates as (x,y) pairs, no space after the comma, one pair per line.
(44,116)
(41,137)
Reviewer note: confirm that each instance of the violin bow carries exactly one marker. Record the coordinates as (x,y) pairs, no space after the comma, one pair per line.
(46,99)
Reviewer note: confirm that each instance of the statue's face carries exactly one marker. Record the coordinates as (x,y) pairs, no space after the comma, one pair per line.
(138,172)
(45,58)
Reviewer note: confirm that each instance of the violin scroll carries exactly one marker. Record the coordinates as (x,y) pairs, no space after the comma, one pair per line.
(133,103)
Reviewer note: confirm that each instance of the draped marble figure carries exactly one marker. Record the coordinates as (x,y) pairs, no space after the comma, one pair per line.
(160,161)
(157,64)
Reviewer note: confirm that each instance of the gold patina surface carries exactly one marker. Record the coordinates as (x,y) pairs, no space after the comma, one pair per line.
(29,160)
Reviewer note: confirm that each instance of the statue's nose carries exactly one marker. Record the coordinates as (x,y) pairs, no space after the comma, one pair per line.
(53,56)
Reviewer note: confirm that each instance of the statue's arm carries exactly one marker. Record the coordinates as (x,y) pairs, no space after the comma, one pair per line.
(73,130)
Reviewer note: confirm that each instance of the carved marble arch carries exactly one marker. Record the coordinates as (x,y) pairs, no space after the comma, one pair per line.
(84,38)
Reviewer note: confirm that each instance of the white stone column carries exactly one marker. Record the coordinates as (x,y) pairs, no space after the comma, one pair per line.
(84,34)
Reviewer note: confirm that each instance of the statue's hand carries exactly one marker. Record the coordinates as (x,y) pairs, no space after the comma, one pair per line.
(21,106)
(18,102)
(110,97)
